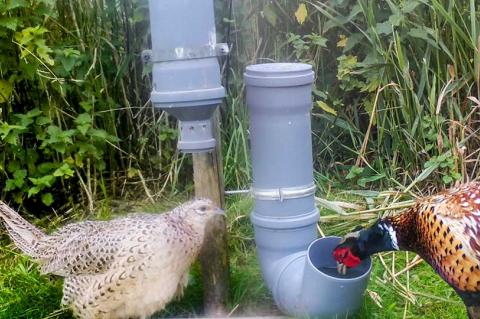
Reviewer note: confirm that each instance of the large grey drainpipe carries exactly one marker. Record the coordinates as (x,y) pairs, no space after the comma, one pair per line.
(186,72)
(285,216)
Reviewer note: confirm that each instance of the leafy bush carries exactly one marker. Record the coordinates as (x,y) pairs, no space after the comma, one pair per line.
(394,99)
(72,97)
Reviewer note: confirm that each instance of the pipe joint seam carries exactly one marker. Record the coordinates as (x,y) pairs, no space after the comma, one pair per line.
(284,193)
(289,222)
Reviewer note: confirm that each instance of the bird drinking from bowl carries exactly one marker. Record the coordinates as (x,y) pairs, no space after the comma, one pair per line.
(443,229)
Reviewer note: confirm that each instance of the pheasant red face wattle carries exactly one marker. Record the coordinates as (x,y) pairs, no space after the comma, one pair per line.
(345,256)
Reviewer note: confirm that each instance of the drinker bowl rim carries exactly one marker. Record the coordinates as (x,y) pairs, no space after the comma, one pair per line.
(364,275)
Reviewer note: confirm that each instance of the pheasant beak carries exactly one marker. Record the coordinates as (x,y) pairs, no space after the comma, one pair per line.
(341,268)
(220,212)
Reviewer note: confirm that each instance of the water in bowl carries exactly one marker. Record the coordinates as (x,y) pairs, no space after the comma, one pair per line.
(351,272)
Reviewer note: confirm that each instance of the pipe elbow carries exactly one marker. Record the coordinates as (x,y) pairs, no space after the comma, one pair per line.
(305,283)
(287,286)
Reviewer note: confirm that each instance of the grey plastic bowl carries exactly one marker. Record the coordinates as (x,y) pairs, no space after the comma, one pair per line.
(325,293)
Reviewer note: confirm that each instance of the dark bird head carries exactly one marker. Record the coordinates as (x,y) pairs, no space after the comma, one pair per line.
(360,244)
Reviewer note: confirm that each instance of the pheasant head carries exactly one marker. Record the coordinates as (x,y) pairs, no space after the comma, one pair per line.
(198,212)
(363,243)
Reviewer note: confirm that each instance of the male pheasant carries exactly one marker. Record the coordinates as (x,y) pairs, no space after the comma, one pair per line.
(129,267)
(443,229)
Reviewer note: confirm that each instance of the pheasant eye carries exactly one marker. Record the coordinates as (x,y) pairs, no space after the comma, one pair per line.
(203,208)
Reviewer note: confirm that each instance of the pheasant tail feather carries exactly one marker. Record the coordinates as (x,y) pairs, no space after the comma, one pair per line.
(25,235)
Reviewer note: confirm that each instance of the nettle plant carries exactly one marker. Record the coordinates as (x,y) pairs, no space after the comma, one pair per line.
(52,155)
(44,140)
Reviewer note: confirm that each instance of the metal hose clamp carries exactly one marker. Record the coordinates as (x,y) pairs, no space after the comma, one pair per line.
(284,192)
(185,53)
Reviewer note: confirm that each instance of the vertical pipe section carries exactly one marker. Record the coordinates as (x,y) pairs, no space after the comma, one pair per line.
(186,73)
(284,217)
(298,268)
(187,84)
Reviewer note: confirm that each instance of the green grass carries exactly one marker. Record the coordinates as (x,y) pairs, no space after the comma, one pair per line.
(24,293)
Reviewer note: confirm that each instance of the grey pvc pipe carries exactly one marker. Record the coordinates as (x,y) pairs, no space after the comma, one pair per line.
(284,215)
(186,72)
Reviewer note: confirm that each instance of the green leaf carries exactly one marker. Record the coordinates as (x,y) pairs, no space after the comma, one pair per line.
(269,14)
(384,27)
(83,129)
(102,135)
(347,63)
(26,119)
(457,176)
(83,118)
(424,33)
(396,19)
(324,106)
(44,181)
(31,159)
(87,148)
(19,177)
(317,40)
(34,112)
(58,138)
(364,180)
(354,172)
(44,51)
(46,167)
(68,57)
(97,133)
(64,171)
(86,106)
(10,23)
(13,4)
(352,41)
(442,158)
(33,191)
(447,179)
(43,120)
(6,89)
(10,185)
(101,165)
(47,199)
(410,6)
(9,133)
(68,63)
(84,122)
(13,166)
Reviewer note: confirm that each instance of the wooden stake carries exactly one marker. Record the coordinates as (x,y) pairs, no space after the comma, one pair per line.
(208,179)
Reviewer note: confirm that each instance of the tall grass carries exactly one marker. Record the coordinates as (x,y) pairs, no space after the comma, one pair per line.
(391,98)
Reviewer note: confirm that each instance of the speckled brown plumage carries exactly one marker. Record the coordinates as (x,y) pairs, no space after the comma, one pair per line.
(129,267)
(443,229)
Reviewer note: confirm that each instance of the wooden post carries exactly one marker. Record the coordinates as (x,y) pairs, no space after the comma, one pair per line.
(208,179)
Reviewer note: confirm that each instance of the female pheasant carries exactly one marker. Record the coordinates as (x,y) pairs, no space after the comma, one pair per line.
(443,229)
(128,267)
